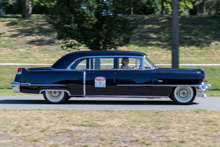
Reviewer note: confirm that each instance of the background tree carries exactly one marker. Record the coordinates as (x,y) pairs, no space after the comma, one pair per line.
(42,6)
(139,6)
(27,8)
(4,4)
(208,6)
(97,24)
(184,6)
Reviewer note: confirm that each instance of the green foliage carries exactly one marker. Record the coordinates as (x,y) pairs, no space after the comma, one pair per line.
(146,6)
(138,6)
(153,6)
(5,3)
(97,24)
(184,5)
(208,6)
(39,6)
(45,3)
(42,6)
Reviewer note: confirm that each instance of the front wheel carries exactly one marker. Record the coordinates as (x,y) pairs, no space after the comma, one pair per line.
(55,97)
(183,95)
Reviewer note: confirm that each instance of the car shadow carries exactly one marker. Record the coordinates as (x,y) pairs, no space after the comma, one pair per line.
(123,102)
(94,102)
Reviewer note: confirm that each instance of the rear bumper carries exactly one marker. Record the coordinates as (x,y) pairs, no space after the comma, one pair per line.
(15,86)
(201,91)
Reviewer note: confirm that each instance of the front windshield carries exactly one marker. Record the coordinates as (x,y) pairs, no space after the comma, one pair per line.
(148,63)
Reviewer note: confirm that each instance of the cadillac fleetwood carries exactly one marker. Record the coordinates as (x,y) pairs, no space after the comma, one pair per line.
(110,73)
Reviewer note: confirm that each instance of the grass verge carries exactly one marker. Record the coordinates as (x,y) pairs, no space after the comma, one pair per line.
(109,128)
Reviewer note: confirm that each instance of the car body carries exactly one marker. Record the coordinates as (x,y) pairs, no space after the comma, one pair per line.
(100,73)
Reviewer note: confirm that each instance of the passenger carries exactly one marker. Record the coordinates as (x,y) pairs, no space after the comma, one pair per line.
(125,62)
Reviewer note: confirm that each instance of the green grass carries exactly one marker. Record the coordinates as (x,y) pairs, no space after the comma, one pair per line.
(34,40)
(28,41)
(8,74)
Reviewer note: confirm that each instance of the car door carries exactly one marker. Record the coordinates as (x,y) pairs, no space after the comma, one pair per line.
(76,83)
(100,79)
(132,81)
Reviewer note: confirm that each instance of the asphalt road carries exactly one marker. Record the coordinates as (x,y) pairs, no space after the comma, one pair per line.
(37,102)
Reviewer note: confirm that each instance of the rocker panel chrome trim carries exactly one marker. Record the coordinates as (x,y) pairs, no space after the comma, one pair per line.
(40,85)
(162,85)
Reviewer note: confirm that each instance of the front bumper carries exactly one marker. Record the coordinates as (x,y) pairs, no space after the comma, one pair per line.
(201,91)
(15,86)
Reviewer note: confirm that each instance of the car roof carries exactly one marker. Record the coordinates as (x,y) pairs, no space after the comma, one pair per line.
(66,60)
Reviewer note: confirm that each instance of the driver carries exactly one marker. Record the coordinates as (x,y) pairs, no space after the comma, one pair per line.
(125,62)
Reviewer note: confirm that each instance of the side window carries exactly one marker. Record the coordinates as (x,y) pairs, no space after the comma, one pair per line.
(79,64)
(103,63)
(129,63)
(146,65)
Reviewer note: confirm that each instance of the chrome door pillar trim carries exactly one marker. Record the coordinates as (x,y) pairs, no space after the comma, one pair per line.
(84,83)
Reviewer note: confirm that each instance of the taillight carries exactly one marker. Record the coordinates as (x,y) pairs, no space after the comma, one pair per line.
(19,71)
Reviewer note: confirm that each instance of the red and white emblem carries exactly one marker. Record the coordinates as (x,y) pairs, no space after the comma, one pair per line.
(100,82)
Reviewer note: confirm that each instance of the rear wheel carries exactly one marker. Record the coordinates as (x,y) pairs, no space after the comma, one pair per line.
(55,97)
(183,95)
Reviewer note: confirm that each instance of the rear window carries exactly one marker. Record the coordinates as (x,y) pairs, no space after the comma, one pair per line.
(80,64)
(63,62)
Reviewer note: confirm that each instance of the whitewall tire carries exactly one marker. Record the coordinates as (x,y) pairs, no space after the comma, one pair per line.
(183,95)
(55,97)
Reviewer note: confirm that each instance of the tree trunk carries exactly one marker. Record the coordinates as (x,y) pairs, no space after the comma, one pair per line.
(162,7)
(132,7)
(175,34)
(27,9)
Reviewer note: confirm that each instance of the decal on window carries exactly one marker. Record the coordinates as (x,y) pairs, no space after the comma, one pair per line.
(100,82)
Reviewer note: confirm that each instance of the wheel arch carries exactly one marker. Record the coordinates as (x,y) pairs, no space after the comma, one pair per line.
(41,91)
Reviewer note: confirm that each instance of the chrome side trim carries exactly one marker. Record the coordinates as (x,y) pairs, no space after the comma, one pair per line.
(195,68)
(125,96)
(55,90)
(84,83)
(25,84)
(15,86)
(40,85)
(162,85)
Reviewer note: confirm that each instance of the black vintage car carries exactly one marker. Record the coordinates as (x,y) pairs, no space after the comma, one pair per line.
(110,73)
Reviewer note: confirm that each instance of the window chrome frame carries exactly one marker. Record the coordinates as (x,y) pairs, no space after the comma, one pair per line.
(149,64)
(142,60)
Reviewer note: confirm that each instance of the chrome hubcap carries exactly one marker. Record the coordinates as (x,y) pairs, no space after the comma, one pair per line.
(183,94)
